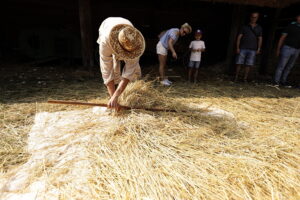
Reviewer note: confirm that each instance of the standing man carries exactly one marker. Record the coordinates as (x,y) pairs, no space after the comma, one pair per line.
(288,49)
(119,40)
(248,45)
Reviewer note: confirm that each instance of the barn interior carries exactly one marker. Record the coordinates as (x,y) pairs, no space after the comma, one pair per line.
(59,32)
(215,139)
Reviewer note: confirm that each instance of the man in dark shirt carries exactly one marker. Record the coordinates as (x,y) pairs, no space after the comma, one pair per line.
(288,49)
(249,43)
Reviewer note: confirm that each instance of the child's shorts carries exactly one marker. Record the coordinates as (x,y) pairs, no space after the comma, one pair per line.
(194,64)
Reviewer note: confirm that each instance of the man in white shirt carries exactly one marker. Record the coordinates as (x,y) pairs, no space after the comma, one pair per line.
(197,46)
(119,40)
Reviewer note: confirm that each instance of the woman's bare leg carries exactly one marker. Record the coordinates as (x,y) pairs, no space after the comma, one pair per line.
(162,66)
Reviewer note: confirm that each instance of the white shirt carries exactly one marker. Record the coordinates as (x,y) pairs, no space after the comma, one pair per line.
(109,65)
(196,44)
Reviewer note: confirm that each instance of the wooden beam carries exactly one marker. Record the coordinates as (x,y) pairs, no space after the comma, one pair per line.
(267,60)
(87,40)
(237,17)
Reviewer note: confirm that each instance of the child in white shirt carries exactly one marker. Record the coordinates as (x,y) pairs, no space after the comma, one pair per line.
(197,47)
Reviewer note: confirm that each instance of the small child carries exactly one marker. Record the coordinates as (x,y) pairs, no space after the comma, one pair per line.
(197,46)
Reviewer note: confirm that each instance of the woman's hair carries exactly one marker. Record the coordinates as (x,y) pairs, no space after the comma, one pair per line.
(187,26)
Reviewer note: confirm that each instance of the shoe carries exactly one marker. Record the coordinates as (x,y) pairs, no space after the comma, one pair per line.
(169,81)
(286,85)
(274,84)
(165,83)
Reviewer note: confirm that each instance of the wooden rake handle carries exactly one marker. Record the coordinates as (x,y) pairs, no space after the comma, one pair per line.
(105,105)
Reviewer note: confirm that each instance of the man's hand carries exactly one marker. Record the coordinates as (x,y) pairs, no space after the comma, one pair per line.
(258,51)
(174,55)
(238,51)
(280,43)
(113,103)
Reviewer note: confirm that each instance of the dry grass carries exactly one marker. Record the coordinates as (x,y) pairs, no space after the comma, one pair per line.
(19,104)
(144,155)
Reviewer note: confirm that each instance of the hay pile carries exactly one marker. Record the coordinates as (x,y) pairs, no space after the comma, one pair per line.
(202,154)
(143,94)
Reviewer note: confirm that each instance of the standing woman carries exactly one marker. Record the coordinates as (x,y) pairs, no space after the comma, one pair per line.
(166,42)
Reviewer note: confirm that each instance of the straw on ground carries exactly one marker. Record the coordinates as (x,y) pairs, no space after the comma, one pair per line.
(144,155)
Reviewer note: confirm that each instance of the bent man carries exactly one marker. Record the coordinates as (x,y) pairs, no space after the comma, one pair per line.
(119,41)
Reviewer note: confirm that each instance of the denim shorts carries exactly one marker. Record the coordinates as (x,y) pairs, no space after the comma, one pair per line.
(194,64)
(246,57)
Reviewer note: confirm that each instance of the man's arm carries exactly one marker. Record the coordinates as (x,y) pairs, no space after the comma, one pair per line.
(106,62)
(113,102)
(260,40)
(171,47)
(280,43)
(238,42)
(106,66)
(129,73)
(111,88)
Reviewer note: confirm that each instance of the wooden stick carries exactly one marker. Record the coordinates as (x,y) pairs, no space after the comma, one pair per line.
(105,105)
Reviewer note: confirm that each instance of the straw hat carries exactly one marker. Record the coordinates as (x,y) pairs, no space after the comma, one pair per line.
(126,42)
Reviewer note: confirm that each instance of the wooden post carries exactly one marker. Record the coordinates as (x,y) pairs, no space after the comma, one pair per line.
(266,62)
(86,33)
(238,14)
